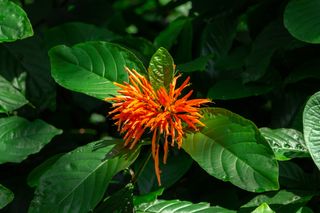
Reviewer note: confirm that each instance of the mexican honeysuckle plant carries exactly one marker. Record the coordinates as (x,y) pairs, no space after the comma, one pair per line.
(159,106)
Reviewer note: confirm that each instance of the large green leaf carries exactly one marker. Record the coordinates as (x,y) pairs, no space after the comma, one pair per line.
(20,138)
(311,127)
(10,97)
(282,201)
(198,64)
(161,69)
(302,19)
(229,148)
(6,196)
(75,32)
(78,180)
(178,206)
(92,67)
(286,143)
(14,23)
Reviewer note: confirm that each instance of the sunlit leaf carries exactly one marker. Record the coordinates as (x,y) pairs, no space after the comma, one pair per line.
(10,97)
(263,208)
(6,196)
(301,18)
(161,69)
(78,180)
(229,148)
(162,206)
(311,127)
(286,143)
(20,138)
(14,23)
(92,67)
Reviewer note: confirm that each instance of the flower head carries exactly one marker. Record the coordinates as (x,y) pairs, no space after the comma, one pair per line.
(140,108)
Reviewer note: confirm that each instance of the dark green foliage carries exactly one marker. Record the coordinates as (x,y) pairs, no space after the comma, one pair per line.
(258,61)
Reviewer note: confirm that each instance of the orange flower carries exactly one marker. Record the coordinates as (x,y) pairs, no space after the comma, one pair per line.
(140,108)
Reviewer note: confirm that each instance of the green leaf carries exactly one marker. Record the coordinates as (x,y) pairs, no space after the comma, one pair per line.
(198,64)
(20,138)
(263,208)
(30,56)
(301,18)
(286,143)
(14,23)
(229,148)
(10,98)
(169,36)
(120,201)
(218,36)
(6,196)
(311,127)
(178,206)
(92,67)
(272,38)
(78,180)
(147,198)
(161,69)
(282,201)
(75,32)
(235,89)
(178,164)
(304,209)
(35,175)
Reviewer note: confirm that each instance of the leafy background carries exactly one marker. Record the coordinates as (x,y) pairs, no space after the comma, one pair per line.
(257,60)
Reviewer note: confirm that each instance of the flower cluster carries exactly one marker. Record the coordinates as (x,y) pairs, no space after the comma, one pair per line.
(140,108)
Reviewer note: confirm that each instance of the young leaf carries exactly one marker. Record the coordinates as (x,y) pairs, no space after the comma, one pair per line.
(263,208)
(286,143)
(301,18)
(20,138)
(78,180)
(178,206)
(6,196)
(10,98)
(14,23)
(311,127)
(229,147)
(92,67)
(161,69)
